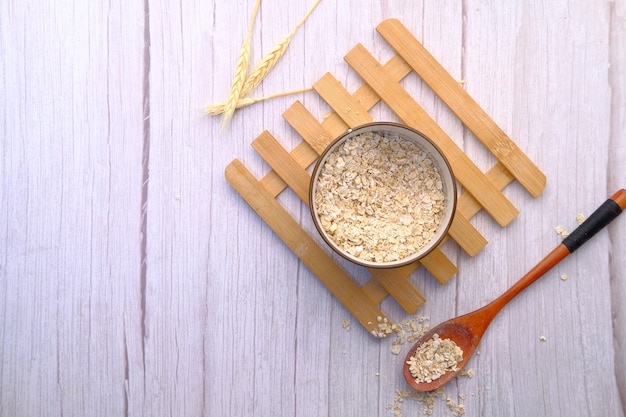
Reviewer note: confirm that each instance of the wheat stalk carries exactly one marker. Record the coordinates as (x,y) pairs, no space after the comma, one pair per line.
(240,71)
(215,109)
(242,85)
(272,57)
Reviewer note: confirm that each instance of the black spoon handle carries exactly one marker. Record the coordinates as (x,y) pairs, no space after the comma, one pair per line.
(603,215)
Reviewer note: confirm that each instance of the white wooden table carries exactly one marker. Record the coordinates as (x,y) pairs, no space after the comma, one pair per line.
(135,281)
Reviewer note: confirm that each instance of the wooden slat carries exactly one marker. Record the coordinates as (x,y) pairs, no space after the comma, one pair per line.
(377,292)
(396,67)
(285,166)
(466,235)
(439,266)
(401,102)
(307,127)
(309,252)
(499,176)
(400,288)
(303,154)
(351,111)
(463,105)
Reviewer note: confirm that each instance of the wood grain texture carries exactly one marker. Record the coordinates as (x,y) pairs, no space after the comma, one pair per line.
(283,164)
(134,281)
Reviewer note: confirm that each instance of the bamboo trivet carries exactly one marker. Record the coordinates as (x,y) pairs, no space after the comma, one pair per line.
(382,82)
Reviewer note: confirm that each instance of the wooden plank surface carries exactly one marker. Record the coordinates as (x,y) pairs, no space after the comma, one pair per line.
(135,281)
(283,164)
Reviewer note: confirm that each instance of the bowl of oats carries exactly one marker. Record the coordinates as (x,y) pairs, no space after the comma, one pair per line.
(382,195)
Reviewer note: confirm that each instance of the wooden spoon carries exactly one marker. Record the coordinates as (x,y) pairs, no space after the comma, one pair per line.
(466,331)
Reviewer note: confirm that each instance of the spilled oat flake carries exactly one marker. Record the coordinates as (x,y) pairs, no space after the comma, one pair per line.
(345,323)
(428,401)
(560,230)
(403,335)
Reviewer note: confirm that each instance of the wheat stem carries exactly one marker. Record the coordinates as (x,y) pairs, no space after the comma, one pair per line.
(272,57)
(218,108)
(241,70)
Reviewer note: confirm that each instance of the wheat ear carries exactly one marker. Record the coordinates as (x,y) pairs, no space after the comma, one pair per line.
(240,71)
(272,57)
(215,109)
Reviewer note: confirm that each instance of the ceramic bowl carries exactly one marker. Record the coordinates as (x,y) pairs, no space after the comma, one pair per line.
(350,227)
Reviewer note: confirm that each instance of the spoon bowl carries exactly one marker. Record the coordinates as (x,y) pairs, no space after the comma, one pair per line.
(460,334)
(466,331)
